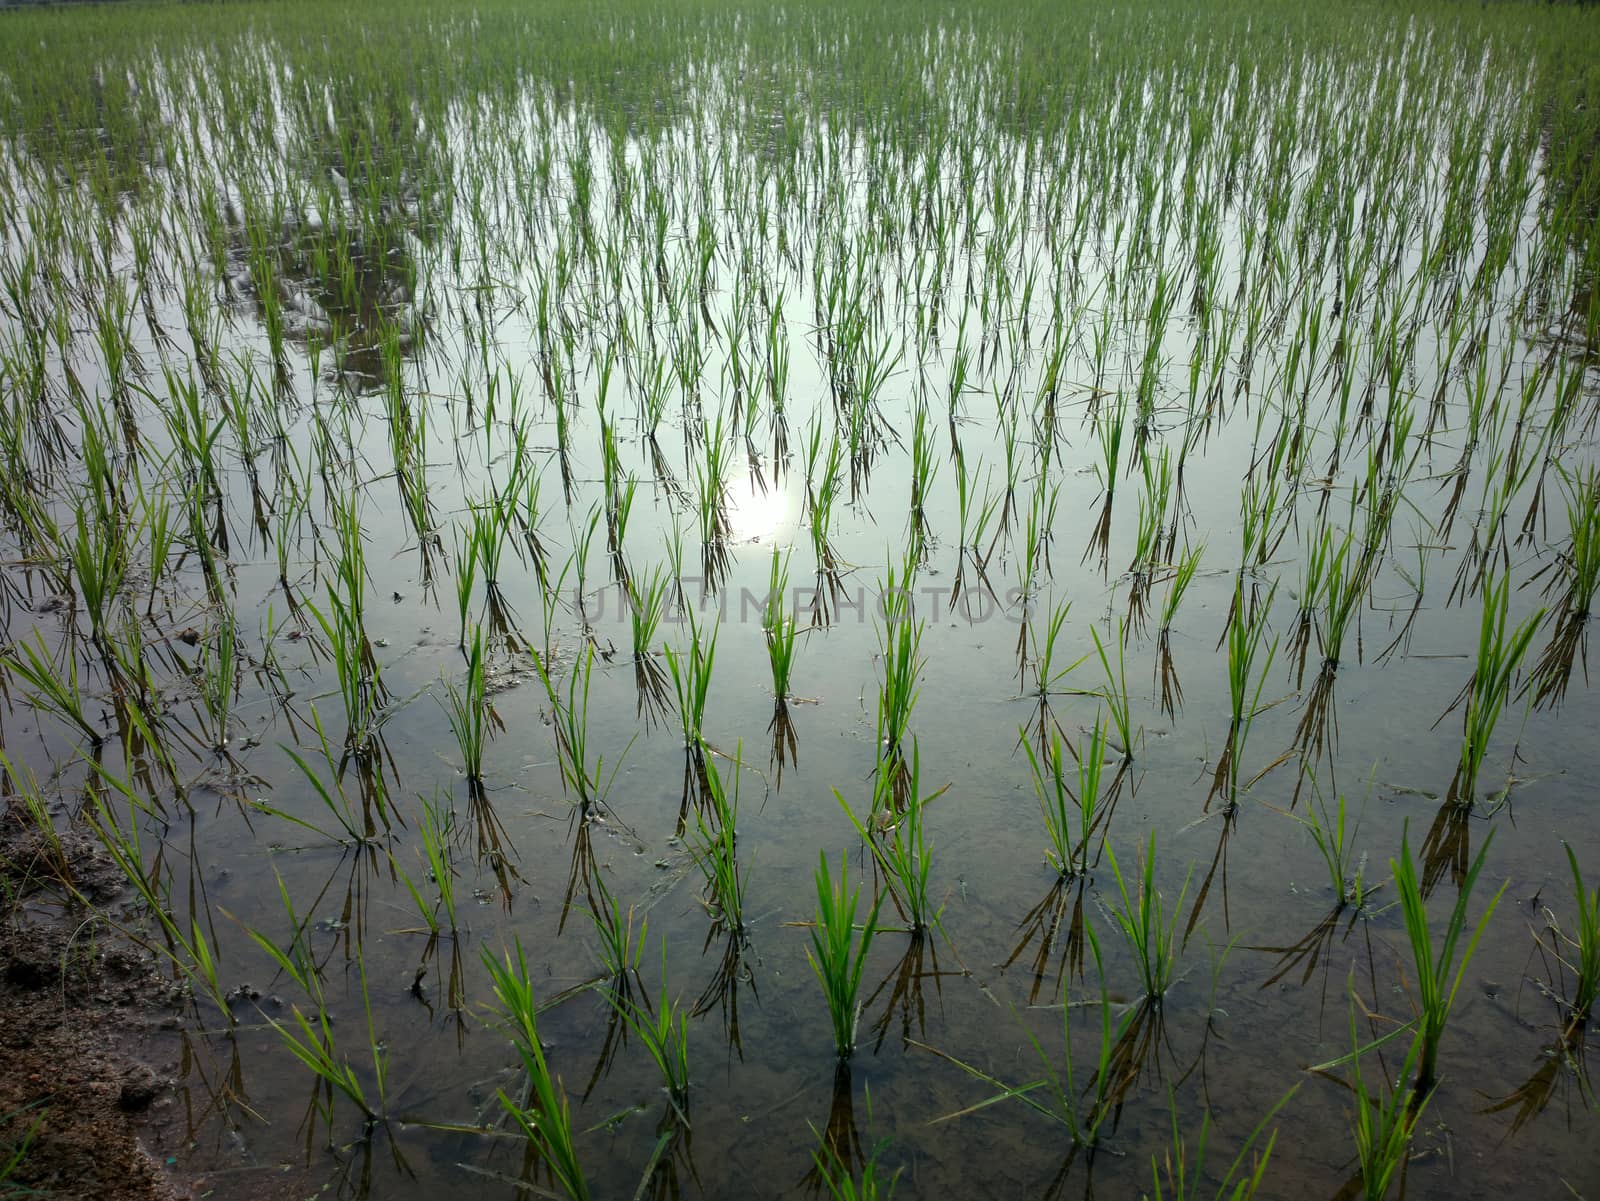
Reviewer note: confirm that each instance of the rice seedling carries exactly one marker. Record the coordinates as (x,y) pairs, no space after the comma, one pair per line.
(436,827)
(823,494)
(691,680)
(1385,1120)
(249,287)
(846,1184)
(51,860)
(1046,672)
(924,468)
(647,604)
(900,649)
(1245,635)
(1071,814)
(621,945)
(1115,690)
(664,1032)
(1188,1180)
(779,627)
(55,690)
(715,846)
(1438,971)
(1142,917)
(16,1154)
(99,561)
(836,954)
(1500,654)
(1582,952)
(1346,871)
(894,833)
(469,712)
(186,947)
(344,626)
(219,679)
(359,828)
(1079,1106)
(586,781)
(542,1112)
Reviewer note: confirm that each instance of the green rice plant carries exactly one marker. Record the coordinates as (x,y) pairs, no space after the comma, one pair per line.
(1385,1120)
(900,648)
(344,627)
(836,954)
(193,433)
(219,678)
(1581,560)
(1178,582)
(777,376)
(311,1040)
(1245,635)
(823,494)
(360,828)
(845,1183)
(1438,973)
(17,1153)
(1189,1181)
(664,1032)
(1047,675)
(778,626)
(99,558)
(1115,690)
(715,846)
(1142,918)
(1486,694)
(469,712)
(691,680)
(187,949)
(972,515)
(1153,503)
(204,544)
(1071,815)
(621,946)
(435,828)
(895,834)
(711,478)
(160,535)
(1061,1094)
(1583,953)
(51,856)
(647,603)
(586,781)
(55,690)
(542,1114)
(924,467)
(1346,872)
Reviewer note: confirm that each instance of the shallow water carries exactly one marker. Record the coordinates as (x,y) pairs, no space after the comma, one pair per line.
(493,266)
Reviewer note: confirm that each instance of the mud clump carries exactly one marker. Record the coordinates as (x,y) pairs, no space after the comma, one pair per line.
(77,1003)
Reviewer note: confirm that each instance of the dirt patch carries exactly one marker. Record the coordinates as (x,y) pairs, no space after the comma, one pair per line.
(78,1002)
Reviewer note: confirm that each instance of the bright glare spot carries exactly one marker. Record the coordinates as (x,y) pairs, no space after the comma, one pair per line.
(755,515)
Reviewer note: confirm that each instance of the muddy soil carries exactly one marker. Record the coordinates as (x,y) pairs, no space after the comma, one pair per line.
(80,1009)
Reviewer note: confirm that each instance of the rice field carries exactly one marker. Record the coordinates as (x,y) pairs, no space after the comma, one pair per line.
(714,599)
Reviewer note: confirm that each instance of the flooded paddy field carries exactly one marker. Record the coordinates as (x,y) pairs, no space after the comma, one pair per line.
(743,600)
